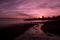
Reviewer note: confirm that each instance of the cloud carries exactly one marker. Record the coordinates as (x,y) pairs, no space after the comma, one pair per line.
(16,13)
(13,14)
(29,6)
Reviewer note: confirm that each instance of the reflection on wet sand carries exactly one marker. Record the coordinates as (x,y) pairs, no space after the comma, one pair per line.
(35,33)
(12,31)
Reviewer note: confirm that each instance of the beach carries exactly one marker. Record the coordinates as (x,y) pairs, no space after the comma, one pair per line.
(27,30)
(35,33)
(12,31)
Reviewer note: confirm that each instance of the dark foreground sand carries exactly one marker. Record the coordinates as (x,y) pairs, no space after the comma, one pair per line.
(28,31)
(35,33)
(52,27)
(10,32)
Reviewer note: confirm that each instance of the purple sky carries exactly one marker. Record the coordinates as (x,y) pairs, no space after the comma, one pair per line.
(29,8)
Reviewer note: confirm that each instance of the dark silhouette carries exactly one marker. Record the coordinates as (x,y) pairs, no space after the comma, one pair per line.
(52,27)
(42,16)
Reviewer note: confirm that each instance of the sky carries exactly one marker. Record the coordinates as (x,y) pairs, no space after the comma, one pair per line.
(29,8)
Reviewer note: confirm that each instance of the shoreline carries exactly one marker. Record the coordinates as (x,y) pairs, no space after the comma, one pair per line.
(9,33)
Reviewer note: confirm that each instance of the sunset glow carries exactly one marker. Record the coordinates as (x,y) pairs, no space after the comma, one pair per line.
(30,19)
(40,17)
(32,8)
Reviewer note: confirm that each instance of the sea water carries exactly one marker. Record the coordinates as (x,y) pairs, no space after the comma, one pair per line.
(4,22)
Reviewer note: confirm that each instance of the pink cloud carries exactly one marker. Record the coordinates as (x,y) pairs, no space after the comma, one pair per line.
(33,7)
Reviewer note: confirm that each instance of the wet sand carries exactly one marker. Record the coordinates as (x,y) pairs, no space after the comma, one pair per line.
(35,33)
(12,31)
(28,31)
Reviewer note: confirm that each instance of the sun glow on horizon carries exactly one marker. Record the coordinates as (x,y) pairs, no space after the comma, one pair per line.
(40,16)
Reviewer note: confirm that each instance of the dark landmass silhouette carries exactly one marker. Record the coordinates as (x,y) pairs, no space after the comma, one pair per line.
(48,18)
(52,27)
